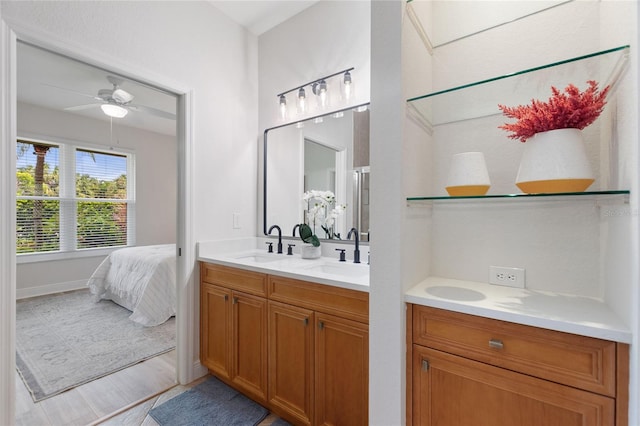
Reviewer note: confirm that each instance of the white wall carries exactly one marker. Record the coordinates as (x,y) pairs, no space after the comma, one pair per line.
(196,45)
(156,180)
(328,37)
(581,247)
(187,45)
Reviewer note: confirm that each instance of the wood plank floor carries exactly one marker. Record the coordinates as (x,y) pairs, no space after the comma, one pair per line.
(123,398)
(93,401)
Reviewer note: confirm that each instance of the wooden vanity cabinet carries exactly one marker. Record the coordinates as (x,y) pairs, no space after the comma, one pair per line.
(234,328)
(299,348)
(470,370)
(327,356)
(291,361)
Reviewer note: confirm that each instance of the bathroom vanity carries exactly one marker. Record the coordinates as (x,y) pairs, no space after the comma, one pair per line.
(290,333)
(477,354)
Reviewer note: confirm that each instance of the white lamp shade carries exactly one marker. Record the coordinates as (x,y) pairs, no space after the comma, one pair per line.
(115,111)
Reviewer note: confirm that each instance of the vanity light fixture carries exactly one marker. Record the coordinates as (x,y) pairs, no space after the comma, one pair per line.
(321,88)
(347,86)
(302,100)
(113,110)
(283,106)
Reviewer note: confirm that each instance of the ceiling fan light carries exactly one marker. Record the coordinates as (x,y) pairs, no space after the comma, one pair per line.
(115,111)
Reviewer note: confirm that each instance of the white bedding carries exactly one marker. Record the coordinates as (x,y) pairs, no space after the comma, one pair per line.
(142,279)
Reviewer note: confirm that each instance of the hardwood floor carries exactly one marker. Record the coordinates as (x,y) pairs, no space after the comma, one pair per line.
(123,398)
(99,399)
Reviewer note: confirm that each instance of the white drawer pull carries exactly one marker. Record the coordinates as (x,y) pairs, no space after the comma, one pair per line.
(496,344)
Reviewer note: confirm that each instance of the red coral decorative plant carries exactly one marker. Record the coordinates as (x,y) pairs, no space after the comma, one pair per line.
(571,109)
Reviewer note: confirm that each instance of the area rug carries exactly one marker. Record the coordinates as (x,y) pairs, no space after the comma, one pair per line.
(65,340)
(211,403)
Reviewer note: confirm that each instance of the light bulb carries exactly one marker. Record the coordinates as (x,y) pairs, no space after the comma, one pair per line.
(283,107)
(320,89)
(347,86)
(302,101)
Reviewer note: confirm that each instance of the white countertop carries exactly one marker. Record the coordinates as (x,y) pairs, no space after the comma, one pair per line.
(325,270)
(571,314)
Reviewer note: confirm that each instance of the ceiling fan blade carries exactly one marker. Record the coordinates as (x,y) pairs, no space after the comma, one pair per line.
(81,107)
(152,111)
(72,91)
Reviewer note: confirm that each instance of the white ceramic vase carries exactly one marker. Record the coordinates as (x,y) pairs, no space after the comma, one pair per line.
(468,175)
(309,251)
(555,161)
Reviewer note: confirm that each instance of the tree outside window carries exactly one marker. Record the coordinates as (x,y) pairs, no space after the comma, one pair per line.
(71,198)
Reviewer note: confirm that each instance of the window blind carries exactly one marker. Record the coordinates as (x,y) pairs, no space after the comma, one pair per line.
(85,201)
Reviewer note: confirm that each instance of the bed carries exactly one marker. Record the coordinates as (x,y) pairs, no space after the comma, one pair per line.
(141,279)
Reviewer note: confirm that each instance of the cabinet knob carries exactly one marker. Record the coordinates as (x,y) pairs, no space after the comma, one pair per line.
(320,325)
(496,344)
(235,300)
(306,321)
(226,297)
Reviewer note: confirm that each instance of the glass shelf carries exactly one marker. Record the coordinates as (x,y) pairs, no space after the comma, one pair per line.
(481,99)
(617,196)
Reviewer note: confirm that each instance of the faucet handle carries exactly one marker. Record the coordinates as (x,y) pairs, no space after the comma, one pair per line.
(342,255)
(290,249)
(270,248)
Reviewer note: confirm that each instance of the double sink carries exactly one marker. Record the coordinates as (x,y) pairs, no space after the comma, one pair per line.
(323,267)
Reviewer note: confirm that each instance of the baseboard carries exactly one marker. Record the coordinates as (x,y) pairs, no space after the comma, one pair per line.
(198,371)
(23,293)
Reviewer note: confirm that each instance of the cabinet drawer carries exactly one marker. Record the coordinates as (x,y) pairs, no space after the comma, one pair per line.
(236,279)
(573,360)
(337,301)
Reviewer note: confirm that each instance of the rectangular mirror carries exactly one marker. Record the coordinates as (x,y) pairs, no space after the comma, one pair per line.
(323,153)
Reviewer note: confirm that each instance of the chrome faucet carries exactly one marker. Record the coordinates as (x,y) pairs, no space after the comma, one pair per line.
(356,252)
(279,237)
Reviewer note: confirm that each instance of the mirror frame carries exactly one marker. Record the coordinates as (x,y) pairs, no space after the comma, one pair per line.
(264,165)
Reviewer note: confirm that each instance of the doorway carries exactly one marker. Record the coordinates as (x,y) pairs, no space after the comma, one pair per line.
(185,346)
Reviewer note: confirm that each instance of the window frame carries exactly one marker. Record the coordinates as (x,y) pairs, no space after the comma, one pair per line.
(68,200)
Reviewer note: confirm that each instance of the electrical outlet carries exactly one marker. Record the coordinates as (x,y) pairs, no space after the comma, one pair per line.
(510,277)
(236,221)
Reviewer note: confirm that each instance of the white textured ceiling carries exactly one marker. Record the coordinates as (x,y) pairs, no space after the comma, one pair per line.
(52,81)
(56,82)
(259,16)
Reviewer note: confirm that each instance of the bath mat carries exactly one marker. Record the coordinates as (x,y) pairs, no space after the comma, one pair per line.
(211,403)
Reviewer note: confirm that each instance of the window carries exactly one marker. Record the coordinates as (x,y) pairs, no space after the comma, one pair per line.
(72,198)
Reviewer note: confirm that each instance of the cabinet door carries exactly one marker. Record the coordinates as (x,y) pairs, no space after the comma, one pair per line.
(342,371)
(291,361)
(450,390)
(249,337)
(215,326)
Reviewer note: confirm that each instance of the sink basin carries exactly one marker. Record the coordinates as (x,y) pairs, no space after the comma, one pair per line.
(455,293)
(340,269)
(260,258)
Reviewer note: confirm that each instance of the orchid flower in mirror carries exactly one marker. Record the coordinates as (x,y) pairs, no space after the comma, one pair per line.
(321,212)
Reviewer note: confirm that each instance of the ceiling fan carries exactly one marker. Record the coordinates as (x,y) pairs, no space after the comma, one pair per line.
(116,102)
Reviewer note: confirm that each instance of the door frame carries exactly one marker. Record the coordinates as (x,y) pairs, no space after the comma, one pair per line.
(188,366)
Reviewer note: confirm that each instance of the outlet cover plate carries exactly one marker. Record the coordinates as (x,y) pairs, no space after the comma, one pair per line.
(506,276)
